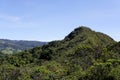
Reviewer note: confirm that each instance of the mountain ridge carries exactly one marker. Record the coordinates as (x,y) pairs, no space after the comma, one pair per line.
(15,45)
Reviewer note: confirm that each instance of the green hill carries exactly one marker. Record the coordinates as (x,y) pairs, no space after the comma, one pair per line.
(80,37)
(82,55)
(85,35)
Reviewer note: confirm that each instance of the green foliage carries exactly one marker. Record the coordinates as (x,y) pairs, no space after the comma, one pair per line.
(115,73)
(99,71)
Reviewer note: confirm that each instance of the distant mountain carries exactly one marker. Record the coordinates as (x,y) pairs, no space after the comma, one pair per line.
(10,46)
(84,54)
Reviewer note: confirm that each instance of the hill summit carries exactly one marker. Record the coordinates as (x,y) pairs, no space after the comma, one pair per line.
(85,35)
(78,31)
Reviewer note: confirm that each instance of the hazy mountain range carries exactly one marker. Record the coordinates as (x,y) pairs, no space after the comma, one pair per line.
(12,46)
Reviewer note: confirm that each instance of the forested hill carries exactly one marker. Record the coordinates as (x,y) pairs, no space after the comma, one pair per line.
(10,46)
(83,54)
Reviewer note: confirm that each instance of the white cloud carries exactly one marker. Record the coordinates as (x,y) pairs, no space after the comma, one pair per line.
(10,18)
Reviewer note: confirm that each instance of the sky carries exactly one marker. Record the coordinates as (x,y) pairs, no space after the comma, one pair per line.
(47,20)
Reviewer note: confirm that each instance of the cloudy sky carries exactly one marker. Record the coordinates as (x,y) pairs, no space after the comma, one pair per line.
(47,20)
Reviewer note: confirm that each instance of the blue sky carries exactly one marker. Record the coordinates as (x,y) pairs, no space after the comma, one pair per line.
(47,20)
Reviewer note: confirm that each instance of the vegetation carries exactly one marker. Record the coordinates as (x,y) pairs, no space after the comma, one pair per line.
(83,55)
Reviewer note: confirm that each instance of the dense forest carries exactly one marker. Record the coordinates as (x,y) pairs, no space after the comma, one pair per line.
(83,54)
